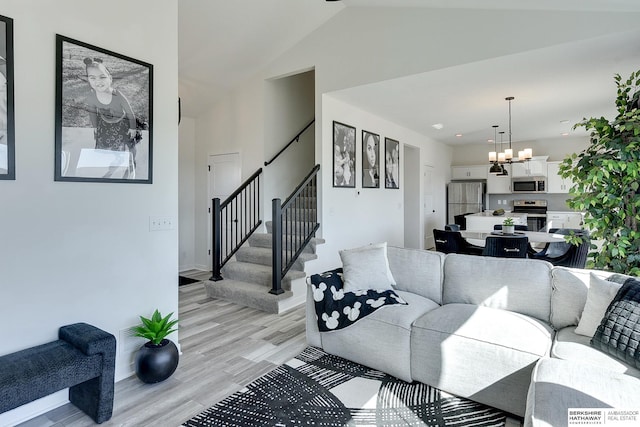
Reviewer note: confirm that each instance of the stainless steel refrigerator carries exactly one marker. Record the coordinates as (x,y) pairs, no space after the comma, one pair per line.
(464,197)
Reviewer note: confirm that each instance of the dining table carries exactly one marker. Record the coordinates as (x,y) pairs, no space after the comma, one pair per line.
(534,236)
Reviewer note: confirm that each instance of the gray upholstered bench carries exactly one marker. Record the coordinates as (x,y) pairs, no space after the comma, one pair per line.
(82,359)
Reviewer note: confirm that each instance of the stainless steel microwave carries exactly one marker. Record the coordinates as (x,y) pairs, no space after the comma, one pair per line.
(532,184)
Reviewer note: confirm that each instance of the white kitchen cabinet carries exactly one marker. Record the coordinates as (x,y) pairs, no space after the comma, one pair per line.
(469,172)
(498,184)
(555,183)
(531,168)
(564,219)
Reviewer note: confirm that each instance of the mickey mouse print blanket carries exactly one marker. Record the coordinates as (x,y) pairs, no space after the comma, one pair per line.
(337,309)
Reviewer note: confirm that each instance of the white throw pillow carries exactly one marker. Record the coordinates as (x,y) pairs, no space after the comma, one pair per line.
(600,295)
(366,267)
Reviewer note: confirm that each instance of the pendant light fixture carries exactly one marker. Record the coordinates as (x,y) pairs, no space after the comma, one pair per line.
(504,171)
(524,155)
(495,168)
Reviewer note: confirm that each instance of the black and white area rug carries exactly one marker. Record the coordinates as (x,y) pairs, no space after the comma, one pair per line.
(318,389)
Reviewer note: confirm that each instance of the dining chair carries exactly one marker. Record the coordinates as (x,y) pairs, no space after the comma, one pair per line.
(565,254)
(452,242)
(506,247)
(517,227)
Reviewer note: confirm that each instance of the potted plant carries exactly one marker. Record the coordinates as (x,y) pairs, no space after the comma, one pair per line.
(158,358)
(606,185)
(507,226)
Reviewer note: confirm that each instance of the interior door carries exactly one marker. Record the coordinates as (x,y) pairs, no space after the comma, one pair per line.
(224,178)
(430,214)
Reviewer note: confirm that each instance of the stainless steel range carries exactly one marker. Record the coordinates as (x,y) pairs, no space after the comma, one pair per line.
(536,211)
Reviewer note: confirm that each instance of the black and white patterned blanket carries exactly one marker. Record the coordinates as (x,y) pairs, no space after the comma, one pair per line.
(337,309)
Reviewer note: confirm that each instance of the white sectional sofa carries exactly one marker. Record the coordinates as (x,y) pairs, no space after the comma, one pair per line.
(497,331)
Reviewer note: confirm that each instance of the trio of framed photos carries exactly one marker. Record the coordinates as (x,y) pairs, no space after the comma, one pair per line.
(344,159)
(103,117)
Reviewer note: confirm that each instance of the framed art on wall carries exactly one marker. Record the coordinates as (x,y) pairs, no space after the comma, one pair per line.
(344,155)
(104,115)
(7,122)
(391,163)
(370,160)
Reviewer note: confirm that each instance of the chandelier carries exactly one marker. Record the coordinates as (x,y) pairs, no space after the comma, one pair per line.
(500,158)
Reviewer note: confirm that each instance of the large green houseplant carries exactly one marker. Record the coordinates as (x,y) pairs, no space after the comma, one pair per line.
(606,182)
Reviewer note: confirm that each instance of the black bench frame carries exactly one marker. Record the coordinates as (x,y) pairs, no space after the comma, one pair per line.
(82,359)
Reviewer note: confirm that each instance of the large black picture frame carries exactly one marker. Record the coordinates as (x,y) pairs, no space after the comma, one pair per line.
(391,163)
(344,155)
(7,117)
(97,137)
(370,152)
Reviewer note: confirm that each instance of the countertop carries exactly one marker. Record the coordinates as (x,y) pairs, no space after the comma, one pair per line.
(489,214)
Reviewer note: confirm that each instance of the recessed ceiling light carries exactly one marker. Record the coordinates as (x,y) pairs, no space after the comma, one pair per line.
(437,126)
(489,141)
(564,121)
(564,133)
(458,135)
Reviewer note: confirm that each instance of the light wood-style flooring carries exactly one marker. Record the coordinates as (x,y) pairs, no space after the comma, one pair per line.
(224,347)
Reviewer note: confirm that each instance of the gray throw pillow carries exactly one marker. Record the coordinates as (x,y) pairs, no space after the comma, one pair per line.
(619,331)
(366,267)
(601,293)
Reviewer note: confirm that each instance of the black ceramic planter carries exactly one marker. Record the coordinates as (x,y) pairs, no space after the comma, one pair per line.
(155,363)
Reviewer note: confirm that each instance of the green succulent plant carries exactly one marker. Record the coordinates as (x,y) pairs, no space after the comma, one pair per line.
(155,329)
(508,221)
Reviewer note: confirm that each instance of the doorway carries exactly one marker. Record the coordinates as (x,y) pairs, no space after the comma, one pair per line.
(224,178)
(430,182)
(411,177)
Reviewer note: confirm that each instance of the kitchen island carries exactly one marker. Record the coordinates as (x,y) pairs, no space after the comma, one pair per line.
(484,221)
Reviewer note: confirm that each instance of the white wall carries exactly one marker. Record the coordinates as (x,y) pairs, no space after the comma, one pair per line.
(235,125)
(186,193)
(289,107)
(358,216)
(82,252)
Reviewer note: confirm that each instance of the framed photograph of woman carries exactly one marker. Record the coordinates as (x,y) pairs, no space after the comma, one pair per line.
(104,115)
(344,155)
(391,163)
(370,160)
(7,124)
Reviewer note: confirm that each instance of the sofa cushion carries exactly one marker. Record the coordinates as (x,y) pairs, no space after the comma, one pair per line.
(619,332)
(557,385)
(480,353)
(518,285)
(366,267)
(568,345)
(601,293)
(382,339)
(426,280)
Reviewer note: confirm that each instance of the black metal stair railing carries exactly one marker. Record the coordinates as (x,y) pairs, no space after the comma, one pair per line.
(233,222)
(295,223)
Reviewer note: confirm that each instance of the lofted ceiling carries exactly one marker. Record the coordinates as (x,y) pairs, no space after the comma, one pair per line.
(222,43)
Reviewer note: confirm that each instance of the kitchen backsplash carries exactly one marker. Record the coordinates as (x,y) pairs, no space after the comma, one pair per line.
(555,202)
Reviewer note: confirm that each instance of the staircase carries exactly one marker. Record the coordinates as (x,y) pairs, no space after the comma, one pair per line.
(265,271)
(247,278)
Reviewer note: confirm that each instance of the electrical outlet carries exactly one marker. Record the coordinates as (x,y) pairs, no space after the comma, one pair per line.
(129,343)
(499,201)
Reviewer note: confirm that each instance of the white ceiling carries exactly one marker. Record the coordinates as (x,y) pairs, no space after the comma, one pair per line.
(223,42)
